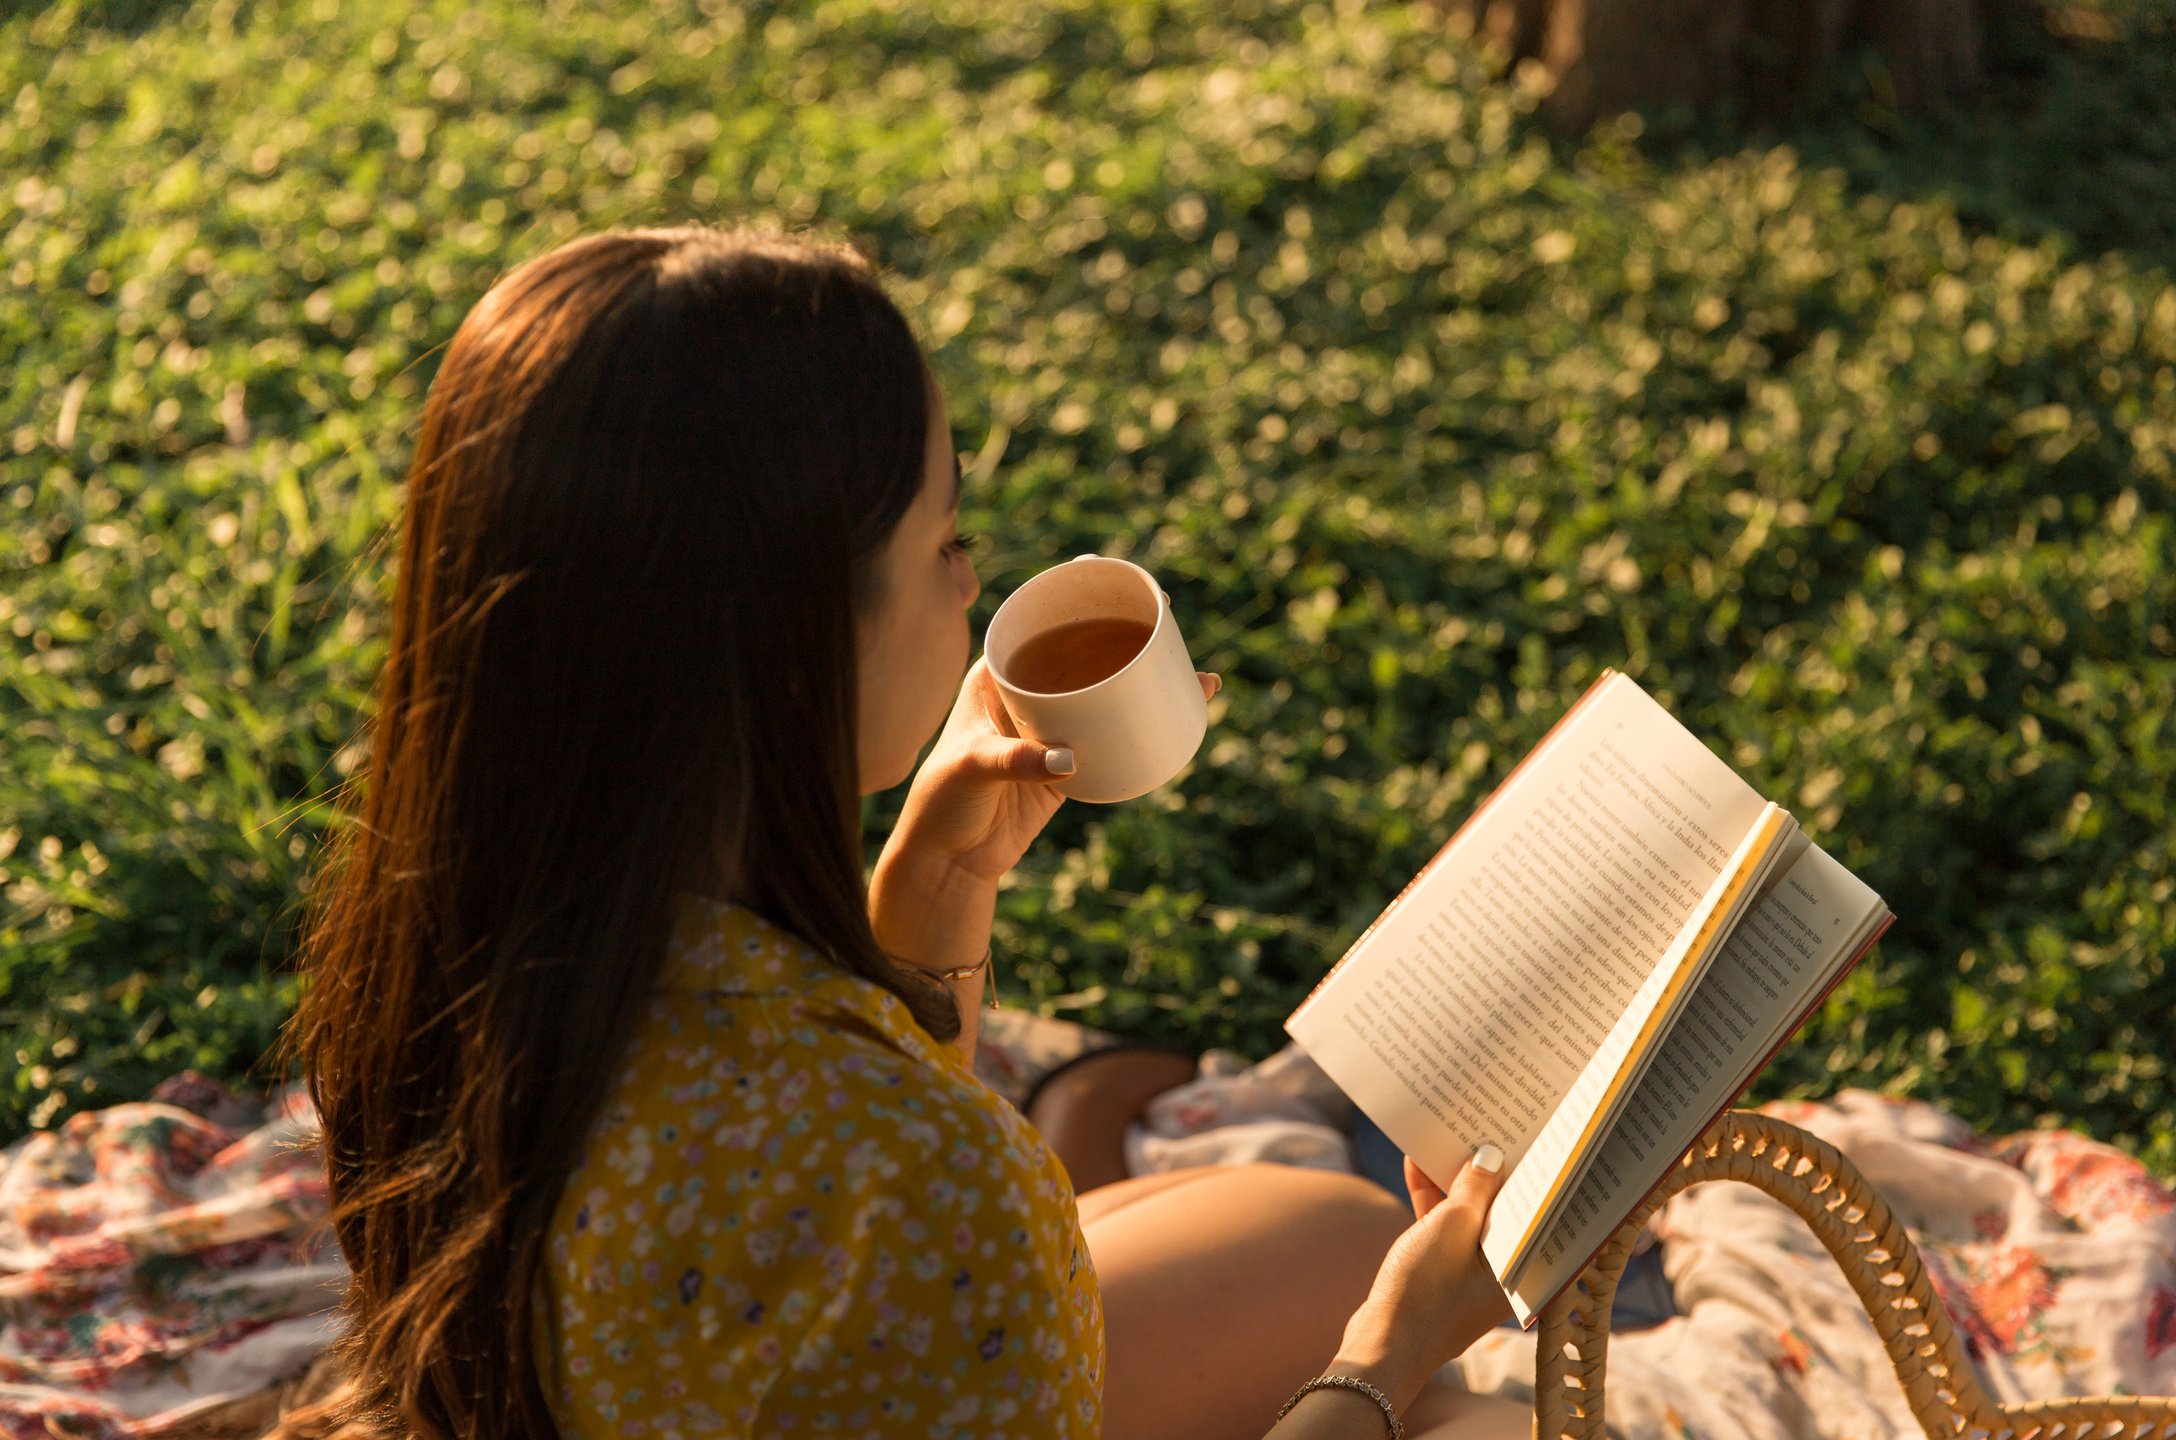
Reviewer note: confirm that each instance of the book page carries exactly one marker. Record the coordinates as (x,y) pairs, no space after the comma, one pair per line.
(1551,1171)
(1467,1010)
(1770,971)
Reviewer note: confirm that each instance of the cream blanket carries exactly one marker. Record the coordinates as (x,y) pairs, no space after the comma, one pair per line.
(2055,1255)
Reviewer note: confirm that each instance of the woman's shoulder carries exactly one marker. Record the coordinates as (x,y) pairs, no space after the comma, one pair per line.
(830,1075)
(760,1057)
(786,1180)
(737,977)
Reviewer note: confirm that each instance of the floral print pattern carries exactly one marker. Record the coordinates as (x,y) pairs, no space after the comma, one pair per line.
(165,1261)
(2054,1255)
(2009,1289)
(158,1254)
(800,1215)
(171,1256)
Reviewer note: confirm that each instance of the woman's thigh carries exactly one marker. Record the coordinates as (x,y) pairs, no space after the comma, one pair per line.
(1448,1411)
(1224,1288)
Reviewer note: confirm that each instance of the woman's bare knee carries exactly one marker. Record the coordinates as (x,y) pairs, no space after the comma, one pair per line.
(1108,1199)
(1334,1197)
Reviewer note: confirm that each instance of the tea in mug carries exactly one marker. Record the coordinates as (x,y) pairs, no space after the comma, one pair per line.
(1076,655)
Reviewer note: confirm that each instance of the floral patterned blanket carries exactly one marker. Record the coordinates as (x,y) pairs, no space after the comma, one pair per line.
(2055,1255)
(163,1260)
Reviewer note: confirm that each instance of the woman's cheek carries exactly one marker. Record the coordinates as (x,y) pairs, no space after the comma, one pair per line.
(961,642)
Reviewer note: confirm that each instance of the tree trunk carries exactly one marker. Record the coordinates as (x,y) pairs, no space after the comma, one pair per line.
(1612,55)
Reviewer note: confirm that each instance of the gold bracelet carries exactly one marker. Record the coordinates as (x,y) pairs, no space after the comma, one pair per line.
(961,972)
(1349,1382)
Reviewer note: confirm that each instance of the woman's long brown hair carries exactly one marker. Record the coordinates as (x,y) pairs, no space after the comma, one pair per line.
(652,468)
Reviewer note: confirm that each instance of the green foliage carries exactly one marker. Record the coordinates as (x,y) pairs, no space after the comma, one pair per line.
(1422,420)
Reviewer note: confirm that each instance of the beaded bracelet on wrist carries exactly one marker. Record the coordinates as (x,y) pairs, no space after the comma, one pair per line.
(1349,1382)
(962,972)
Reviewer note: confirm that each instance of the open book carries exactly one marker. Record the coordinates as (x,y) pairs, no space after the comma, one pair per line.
(1587,975)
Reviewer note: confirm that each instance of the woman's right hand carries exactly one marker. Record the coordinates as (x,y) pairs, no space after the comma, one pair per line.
(1434,1294)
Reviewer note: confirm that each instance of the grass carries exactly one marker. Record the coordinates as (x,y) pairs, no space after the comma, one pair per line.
(1853,444)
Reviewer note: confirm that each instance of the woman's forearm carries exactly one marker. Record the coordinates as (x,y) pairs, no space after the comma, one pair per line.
(936,916)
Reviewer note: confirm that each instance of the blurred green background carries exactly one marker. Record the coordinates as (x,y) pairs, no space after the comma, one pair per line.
(1852,443)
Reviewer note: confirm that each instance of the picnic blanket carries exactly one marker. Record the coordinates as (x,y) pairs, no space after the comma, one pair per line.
(161,1260)
(2055,1255)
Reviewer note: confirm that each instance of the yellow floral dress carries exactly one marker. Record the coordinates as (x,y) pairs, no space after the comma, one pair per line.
(799,1215)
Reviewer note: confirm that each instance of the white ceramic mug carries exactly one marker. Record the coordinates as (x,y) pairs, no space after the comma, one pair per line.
(1130,731)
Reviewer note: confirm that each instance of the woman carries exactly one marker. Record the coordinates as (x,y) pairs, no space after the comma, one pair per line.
(642,1111)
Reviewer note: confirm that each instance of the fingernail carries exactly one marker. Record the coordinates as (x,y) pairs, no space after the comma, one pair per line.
(1216,683)
(1488,1158)
(1058,761)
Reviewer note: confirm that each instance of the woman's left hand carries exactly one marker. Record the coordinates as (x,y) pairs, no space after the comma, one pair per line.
(985,792)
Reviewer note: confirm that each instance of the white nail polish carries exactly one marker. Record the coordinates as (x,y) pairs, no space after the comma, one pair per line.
(1058,761)
(1489,1158)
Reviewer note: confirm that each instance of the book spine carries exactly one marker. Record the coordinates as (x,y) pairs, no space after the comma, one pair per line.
(1754,1074)
(1478,811)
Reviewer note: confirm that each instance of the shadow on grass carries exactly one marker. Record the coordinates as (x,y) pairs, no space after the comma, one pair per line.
(119,17)
(2072,138)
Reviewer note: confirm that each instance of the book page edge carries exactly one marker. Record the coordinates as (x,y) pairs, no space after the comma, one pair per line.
(1528,1318)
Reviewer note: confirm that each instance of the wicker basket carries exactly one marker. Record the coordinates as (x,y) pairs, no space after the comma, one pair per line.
(1809,1176)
